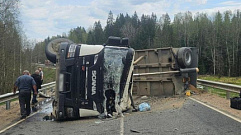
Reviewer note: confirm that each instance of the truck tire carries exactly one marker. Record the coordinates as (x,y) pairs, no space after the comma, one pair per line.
(51,48)
(184,57)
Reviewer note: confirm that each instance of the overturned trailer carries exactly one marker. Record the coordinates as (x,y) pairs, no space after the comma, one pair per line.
(165,71)
(91,80)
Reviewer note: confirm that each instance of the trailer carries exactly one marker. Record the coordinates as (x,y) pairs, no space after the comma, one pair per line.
(165,71)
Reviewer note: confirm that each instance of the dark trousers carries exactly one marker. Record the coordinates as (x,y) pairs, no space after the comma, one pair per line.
(34,100)
(24,101)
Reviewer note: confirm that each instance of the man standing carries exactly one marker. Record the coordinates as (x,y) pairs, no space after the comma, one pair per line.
(25,83)
(37,79)
(41,73)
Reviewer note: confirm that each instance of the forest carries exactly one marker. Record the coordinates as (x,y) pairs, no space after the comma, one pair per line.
(14,45)
(217,36)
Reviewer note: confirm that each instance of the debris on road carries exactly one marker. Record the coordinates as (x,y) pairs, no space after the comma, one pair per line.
(98,122)
(188,93)
(144,97)
(144,107)
(47,117)
(134,131)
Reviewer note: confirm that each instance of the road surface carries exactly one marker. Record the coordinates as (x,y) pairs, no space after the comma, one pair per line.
(190,118)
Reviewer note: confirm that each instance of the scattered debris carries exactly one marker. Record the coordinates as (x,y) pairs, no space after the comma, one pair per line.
(98,122)
(47,117)
(200,87)
(134,131)
(144,97)
(144,107)
(188,93)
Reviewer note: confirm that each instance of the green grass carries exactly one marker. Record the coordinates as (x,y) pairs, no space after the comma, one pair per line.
(4,103)
(49,74)
(220,92)
(231,80)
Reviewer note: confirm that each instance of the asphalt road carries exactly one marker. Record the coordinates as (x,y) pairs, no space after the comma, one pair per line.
(191,118)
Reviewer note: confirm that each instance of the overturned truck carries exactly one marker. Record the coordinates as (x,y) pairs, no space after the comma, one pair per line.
(165,71)
(91,80)
(97,80)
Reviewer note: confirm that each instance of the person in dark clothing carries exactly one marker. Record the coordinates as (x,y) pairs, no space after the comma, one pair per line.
(25,83)
(41,73)
(37,79)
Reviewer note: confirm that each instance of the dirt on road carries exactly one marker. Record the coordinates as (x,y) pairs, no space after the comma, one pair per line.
(157,103)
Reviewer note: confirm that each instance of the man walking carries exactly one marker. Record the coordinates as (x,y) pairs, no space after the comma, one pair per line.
(25,83)
(37,79)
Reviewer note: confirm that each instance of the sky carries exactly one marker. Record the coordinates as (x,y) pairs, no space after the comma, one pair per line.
(43,18)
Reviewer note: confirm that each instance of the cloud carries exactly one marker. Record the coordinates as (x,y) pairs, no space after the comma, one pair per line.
(199,2)
(50,17)
(230,3)
(140,2)
(211,11)
(221,7)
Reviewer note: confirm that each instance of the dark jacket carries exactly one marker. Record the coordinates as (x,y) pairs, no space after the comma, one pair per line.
(37,79)
(25,82)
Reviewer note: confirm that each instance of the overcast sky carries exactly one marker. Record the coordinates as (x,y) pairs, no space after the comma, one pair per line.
(43,18)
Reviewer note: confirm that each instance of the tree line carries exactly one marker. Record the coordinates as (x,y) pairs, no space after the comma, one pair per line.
(218,37)
(15,48)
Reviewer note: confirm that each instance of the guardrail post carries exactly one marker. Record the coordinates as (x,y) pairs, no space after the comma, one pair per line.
(8,105)
(227,94)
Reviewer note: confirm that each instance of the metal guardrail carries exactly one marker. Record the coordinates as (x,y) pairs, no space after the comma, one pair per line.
(45,87)
(49,86)
(229,88)
(10,96)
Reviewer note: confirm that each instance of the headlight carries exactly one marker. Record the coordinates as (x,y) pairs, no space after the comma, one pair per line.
(71,52)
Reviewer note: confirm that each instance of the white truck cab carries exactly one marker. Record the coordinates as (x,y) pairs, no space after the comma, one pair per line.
(91,80)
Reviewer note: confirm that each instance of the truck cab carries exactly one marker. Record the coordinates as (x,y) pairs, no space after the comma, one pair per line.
(91,80)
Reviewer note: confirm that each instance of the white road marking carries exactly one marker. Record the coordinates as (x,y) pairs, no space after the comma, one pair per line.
(215,109)
(17,123)
(122,125)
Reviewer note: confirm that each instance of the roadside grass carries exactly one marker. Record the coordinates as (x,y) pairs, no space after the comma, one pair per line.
(10,101)
(230,80)
(49,74)
(220,92)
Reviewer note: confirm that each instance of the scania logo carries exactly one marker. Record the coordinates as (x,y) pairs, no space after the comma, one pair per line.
(93,82)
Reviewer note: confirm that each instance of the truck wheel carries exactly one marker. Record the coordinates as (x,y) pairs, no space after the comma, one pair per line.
(184,57)
(51,48)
